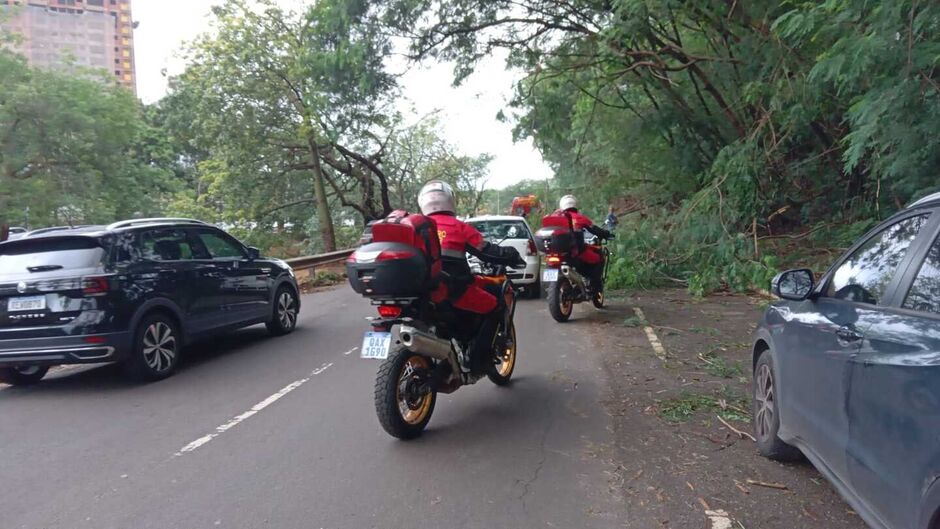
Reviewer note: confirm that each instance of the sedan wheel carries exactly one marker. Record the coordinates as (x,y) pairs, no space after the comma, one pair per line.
(764,401)
(766,415)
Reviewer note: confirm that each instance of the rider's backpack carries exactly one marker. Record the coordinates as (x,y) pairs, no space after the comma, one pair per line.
(557,235)
(402,261)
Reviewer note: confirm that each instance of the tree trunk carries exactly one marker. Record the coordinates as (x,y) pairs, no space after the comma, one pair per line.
(323,206)
(4,231)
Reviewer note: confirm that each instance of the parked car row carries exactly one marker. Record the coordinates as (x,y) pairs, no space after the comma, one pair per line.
(133,292)
(847,371)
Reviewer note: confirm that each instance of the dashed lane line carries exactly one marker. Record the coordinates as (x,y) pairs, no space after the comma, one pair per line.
(254,410)
(658,348)
(719,519)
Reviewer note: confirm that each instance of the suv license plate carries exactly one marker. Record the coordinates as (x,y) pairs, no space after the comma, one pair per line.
(376,345)
(550,275)
(30,303)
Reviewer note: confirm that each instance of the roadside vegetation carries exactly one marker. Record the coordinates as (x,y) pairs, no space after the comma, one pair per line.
(733,138)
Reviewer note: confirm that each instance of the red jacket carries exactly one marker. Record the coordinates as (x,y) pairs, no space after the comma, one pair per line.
(457,240)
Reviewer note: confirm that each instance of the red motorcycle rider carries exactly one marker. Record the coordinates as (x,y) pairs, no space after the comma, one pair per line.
(464,290)
(591,262)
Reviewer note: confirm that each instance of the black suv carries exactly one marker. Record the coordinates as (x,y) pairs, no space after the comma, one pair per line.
(133,292)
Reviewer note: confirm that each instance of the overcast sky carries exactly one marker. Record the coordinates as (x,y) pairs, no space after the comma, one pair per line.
(468,113)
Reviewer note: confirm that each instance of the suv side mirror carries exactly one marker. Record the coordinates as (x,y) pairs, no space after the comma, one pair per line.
(794,285)
(253,253)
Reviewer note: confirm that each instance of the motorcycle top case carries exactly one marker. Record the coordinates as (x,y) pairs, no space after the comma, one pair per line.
(402,261)
(557,235)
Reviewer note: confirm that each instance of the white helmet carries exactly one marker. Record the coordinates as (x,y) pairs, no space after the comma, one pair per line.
(567,202)
(436,197)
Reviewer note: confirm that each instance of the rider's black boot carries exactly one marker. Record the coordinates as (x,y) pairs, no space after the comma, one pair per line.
(481,352)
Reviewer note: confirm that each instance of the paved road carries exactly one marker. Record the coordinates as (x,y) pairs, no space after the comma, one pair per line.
(256,432)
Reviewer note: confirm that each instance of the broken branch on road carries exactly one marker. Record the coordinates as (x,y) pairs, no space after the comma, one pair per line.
(740,434)
(778,486)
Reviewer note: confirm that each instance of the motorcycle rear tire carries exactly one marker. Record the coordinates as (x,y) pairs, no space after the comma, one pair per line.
(559,308)
(501,373)
(597,298)
(386,396)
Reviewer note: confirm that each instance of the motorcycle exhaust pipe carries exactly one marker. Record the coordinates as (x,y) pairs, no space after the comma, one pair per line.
(575,278)
(423,343)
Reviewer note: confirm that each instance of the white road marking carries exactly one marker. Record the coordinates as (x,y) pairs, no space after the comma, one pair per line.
(254,409)
(658,348)
(719,519)
(351,351)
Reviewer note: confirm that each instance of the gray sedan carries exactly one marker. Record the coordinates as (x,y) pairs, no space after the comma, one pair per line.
(847,371)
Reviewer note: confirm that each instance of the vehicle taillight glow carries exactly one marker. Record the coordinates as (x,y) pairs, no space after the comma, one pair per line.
(94,339)
(532,249)
(390,255)
(553,260)
(95,286)
(389,311)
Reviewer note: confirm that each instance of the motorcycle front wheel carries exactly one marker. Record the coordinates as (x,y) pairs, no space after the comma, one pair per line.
(402,410)
(559,296)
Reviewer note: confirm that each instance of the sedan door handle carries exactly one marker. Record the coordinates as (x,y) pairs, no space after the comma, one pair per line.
(848,335)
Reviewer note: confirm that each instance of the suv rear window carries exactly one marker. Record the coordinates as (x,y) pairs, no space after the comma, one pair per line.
(26,255)
(497,230)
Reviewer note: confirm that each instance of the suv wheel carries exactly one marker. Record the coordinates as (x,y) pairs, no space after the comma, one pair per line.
(23,376)
(766,417)
(284,319)
(156,349)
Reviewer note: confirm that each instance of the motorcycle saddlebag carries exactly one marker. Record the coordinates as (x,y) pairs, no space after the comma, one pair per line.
(404,259)
(387,270)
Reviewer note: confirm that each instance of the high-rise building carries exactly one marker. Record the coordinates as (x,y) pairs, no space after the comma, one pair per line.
(86,33)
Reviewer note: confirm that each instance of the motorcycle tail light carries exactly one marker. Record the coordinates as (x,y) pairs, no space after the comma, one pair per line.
(390,255)
(389,311)
(553,260)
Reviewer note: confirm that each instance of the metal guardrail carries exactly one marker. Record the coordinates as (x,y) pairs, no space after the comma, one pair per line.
(311,261)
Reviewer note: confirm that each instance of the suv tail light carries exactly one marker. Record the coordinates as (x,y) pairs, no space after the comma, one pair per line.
(95,285)
(532,249)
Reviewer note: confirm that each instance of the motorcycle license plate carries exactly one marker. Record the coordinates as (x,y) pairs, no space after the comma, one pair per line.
(550,275)
(376,345)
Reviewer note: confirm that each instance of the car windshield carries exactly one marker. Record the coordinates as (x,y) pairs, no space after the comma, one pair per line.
(46,254)
(497,230)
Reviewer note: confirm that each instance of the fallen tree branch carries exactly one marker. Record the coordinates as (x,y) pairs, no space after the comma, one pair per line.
(797,236)
(741,434)
(778,486)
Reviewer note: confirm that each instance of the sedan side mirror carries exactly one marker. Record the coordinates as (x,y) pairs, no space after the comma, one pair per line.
(795,285)
(253,253)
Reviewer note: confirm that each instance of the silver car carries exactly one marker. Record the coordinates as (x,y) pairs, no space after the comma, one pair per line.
(505,230)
